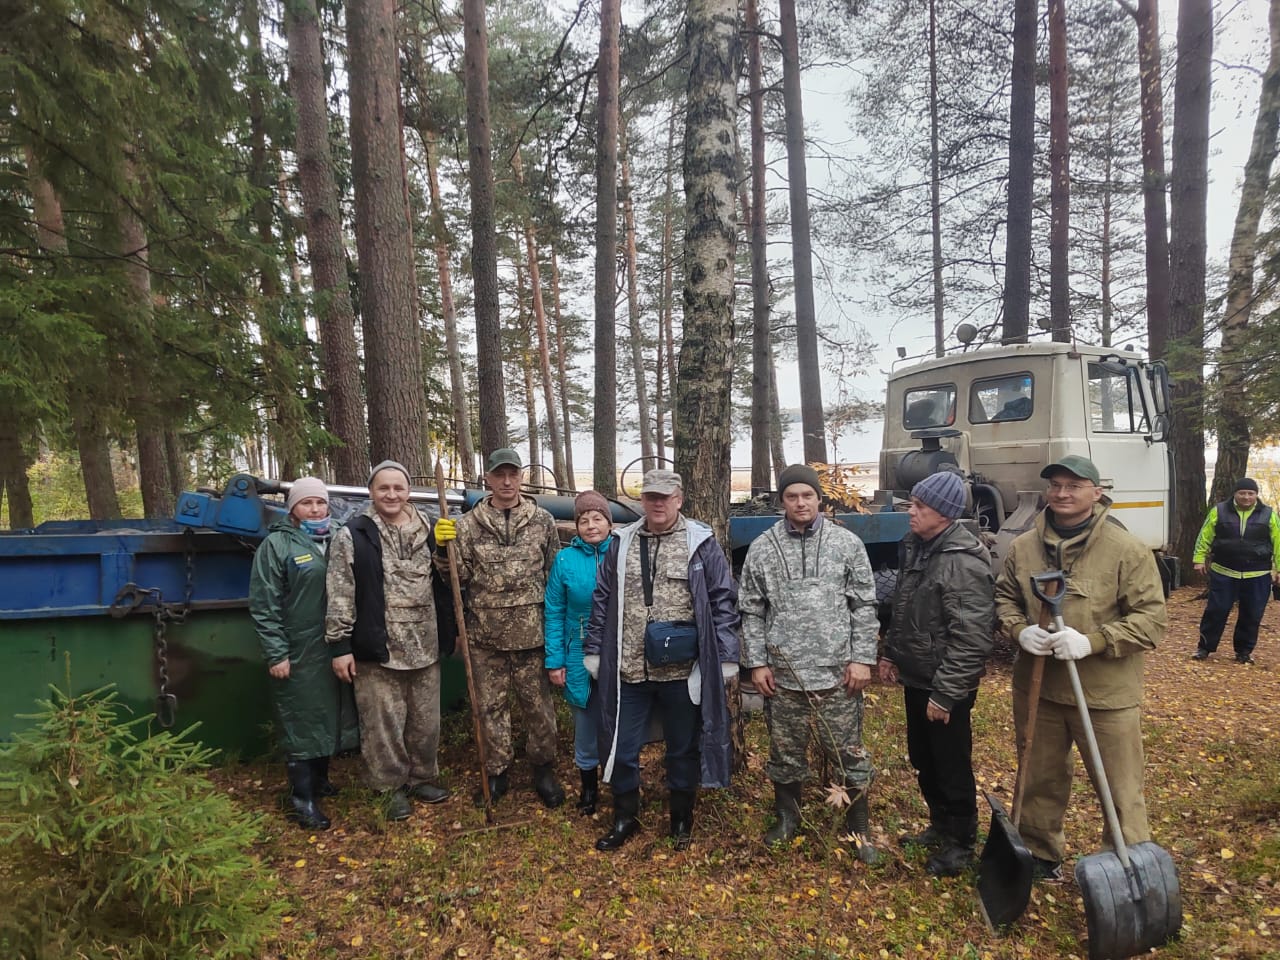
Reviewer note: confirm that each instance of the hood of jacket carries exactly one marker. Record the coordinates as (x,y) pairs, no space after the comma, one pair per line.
(495,519)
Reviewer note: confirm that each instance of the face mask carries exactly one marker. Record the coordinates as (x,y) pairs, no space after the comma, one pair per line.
(316,528)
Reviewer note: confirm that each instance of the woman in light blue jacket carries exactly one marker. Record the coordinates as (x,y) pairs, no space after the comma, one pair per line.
(567,609)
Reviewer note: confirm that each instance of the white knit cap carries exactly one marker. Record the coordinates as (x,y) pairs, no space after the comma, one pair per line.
(305,487)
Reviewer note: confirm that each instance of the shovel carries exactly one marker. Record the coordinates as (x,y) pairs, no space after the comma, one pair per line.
(1132,901)
(1005,869)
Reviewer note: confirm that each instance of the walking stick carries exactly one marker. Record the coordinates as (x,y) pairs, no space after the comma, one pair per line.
(459,615)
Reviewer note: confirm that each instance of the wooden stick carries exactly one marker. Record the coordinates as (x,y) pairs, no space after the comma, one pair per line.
(459,614)
(1029,731)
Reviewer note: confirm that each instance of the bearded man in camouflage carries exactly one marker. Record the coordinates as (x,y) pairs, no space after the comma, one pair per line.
(506,545)
(809,630)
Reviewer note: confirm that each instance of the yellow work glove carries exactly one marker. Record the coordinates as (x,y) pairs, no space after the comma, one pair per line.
(446,530)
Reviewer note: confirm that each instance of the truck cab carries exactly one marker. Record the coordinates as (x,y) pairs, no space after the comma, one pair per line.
(999,414)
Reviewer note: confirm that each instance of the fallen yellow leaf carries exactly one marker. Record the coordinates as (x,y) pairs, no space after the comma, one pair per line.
(1227,853)
(299,864)
(357,940)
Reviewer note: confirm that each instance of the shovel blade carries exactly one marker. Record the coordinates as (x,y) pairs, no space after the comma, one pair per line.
(1004,870)
(1129,911)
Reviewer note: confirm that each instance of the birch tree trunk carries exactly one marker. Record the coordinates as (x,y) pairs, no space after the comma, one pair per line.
(525,356)
(335,315)
(1233,414)
(484,235)
(702,421)
(606,357)
(811,414)
(1022,118)
(1187,250)
(388,286)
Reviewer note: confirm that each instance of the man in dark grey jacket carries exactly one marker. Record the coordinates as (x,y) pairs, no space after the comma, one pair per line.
(937,647)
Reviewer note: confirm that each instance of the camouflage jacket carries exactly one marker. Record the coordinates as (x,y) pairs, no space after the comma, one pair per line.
(410,608)
(504,557)
(808,605)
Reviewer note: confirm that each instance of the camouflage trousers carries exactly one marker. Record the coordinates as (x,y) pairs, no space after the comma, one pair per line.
(834,717)
(399,724)
(500,675)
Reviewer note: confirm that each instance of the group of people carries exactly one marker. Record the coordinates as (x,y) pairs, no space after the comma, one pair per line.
(648,621)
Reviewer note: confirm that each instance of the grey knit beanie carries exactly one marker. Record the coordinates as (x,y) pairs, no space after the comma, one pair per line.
(305,487)
(800,473)
(944,492)
(390,465)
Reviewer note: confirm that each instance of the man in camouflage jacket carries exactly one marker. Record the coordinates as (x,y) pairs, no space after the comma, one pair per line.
(809,630)
(505,547)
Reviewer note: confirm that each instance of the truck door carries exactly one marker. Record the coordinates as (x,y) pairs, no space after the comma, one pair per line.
(1129,450)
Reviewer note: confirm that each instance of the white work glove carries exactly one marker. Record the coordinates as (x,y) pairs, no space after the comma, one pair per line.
(1070,644)
(592,662)
(1036,640)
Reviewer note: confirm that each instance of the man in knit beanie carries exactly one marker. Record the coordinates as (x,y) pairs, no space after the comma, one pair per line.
(937,648)
(808,604)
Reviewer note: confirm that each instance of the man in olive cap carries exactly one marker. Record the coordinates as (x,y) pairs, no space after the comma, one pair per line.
(809,633)
(1114,612)
(1240,546)
(506,545)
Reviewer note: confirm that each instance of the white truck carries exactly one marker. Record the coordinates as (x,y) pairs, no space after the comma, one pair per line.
(999,414)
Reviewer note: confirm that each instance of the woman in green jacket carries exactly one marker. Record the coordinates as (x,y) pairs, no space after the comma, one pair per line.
(314,711)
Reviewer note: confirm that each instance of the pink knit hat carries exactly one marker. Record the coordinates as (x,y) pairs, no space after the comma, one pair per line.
(305,487)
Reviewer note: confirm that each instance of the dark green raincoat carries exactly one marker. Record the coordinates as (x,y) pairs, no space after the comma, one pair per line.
(315,712)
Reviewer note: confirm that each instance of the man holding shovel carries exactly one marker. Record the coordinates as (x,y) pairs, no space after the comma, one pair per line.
(1114,611)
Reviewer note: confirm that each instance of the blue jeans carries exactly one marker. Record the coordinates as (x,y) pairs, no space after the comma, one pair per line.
(681,724)
(1252,595)
(586,755)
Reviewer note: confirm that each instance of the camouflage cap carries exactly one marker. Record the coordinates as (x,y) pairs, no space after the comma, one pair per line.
(503,457)
(663,482)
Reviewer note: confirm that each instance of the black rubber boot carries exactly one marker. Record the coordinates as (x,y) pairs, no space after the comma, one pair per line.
(320,778)
(931,838)
(590,794)
(682,817)
(786,804)
(858,822)
(956,855)
(547,787)
(302,799)
(497,789)
(626,811)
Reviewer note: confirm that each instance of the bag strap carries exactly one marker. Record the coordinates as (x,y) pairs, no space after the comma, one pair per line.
(646,570)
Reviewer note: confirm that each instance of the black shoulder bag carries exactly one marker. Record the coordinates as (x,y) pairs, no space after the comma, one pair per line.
(666,642)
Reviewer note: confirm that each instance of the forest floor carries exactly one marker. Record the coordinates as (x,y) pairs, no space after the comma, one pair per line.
(445,884)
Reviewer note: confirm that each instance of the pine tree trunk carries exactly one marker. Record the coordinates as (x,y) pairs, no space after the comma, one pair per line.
(633,313)
(525,357)
(335,315)
(540,325)
(1059,177)
(659,423)
(177,462)
(1022,145)
(388,285)
(1155,218)
(761,347)
(484,236)
(1187,251)
(605,439)
(704,388)
(811,414)
(570,481)
(457,379)
(1233,367)
(935,188)
(14,463)
(777,452)
(83,400)
(1108,189)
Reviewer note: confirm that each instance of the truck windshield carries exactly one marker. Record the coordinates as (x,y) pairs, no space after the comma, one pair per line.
(929,407)
(998,399)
